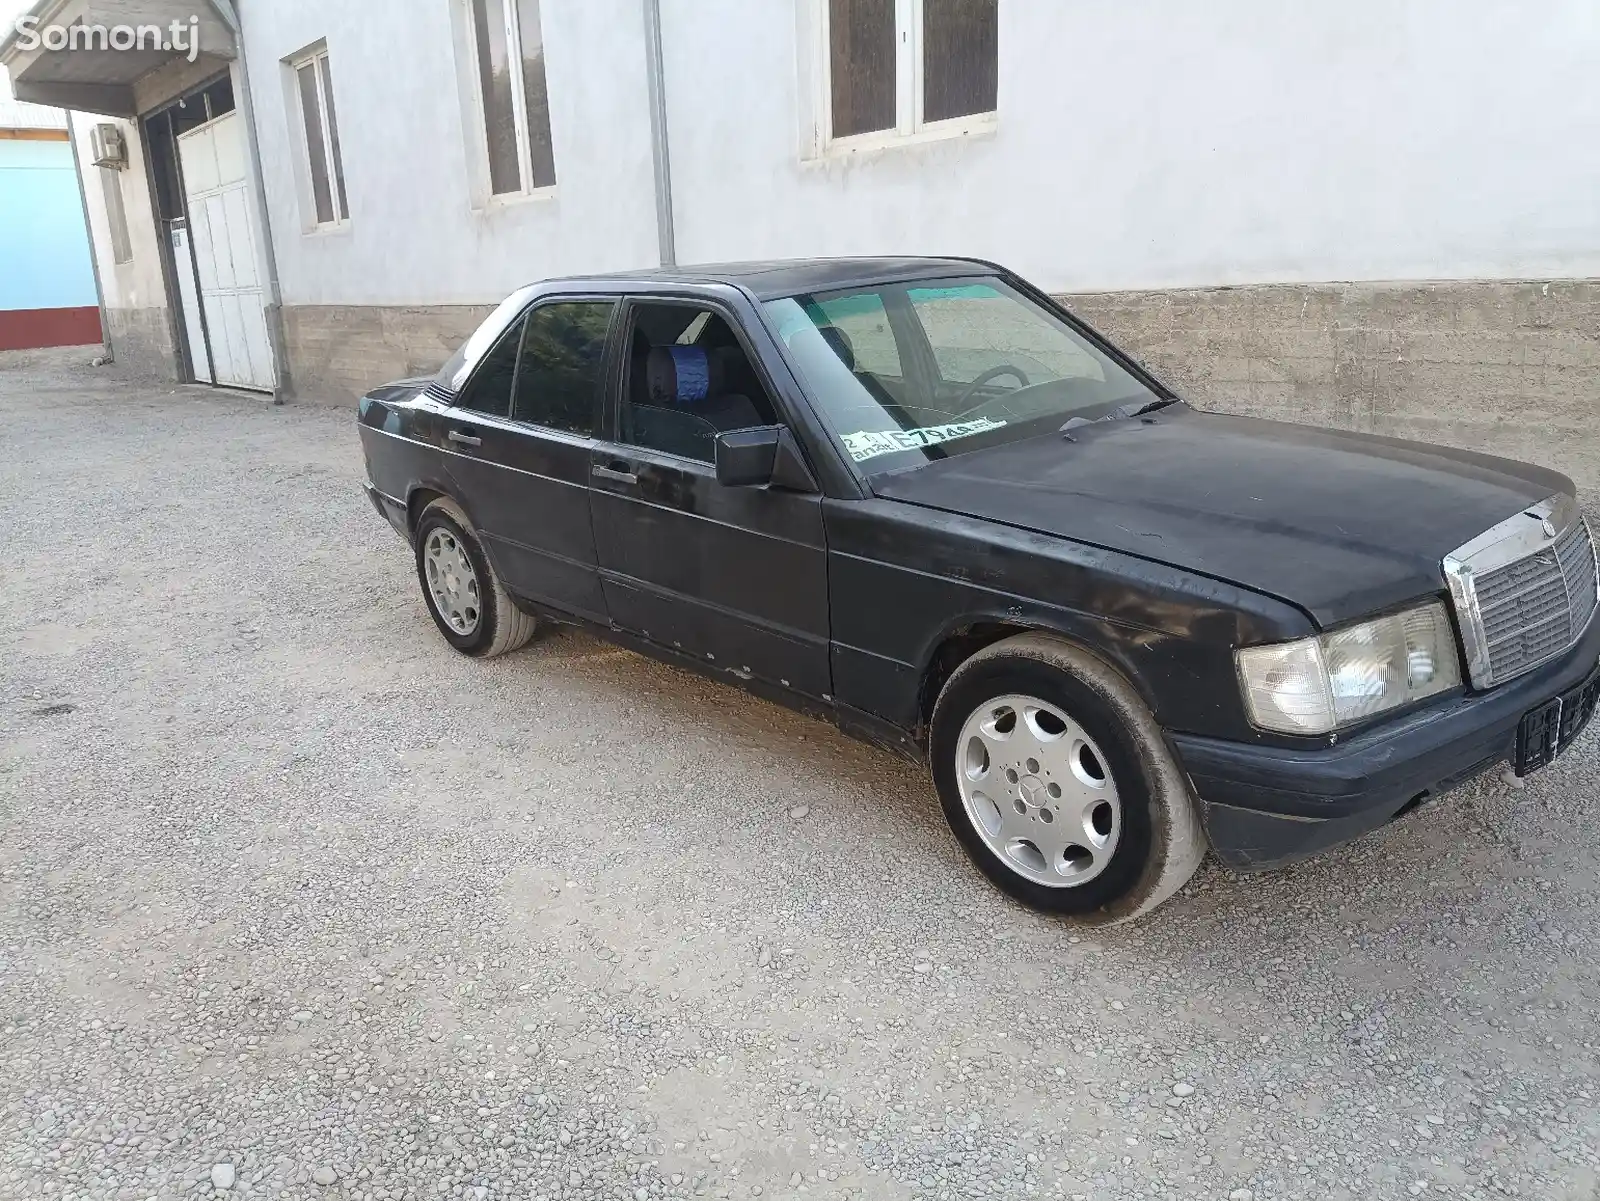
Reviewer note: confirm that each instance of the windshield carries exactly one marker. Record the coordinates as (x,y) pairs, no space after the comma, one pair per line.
(909,372)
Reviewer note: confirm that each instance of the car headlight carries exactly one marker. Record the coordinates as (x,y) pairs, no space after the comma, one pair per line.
(1316,685)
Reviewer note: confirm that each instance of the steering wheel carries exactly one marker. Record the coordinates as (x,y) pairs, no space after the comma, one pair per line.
(963,405)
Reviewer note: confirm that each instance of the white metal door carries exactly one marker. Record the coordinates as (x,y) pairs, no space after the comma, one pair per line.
(227,252)
(189,298)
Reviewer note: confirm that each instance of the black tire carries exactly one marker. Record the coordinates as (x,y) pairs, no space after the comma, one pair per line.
(499,626)
(1160,840)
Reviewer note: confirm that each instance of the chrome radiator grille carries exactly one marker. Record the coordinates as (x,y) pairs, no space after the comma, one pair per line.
(1521,595)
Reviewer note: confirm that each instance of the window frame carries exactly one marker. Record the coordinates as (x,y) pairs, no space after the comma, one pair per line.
(519,105)
(910,89)
(617,385)
(332,151)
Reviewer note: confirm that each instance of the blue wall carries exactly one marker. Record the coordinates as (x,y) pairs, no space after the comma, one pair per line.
(44,248)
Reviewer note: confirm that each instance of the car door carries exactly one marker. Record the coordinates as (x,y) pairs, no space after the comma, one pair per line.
(735,577)
(519,442)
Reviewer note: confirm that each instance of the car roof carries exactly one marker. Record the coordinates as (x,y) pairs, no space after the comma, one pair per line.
(770,279)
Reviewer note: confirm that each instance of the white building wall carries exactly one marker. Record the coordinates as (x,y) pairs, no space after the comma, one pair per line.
(414,236)
(137,284)
(1166,143)
(1142,145)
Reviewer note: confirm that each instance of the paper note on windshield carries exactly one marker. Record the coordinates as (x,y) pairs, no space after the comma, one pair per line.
(869,444)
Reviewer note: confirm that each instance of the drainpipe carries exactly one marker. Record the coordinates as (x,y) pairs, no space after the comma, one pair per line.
(246,105)
(656,82)
(108,352)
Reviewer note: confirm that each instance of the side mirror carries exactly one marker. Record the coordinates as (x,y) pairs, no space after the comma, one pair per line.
(745,457)
(763,455)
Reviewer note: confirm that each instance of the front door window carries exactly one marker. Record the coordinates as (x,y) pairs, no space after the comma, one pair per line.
(688,380)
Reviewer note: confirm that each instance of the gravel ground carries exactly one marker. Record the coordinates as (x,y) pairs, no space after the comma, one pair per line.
(295,902)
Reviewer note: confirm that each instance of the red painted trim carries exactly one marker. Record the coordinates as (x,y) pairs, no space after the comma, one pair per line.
(28,329)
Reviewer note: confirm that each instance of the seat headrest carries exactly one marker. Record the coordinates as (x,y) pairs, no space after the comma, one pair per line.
(839,341)
(680,375)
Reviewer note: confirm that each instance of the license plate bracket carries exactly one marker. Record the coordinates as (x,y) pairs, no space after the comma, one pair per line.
(1547,729)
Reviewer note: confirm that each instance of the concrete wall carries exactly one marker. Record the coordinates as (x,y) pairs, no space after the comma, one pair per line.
(141,339)
(1153,145)
(1511,368)
(414,236)
(337,352)
(137,320)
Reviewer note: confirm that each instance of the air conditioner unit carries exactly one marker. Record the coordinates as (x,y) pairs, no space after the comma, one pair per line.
(108,147)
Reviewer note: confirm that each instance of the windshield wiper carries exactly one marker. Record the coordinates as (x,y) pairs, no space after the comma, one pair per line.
(1117,414)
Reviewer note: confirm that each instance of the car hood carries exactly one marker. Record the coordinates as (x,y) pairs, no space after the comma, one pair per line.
(1339,524)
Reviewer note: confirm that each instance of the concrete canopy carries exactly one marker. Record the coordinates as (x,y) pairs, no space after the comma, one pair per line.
(90,74)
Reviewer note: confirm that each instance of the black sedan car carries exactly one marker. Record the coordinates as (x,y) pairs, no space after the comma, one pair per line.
(919,498)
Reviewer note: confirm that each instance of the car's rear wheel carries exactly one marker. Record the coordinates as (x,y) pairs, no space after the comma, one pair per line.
(1057,781)
(467,600)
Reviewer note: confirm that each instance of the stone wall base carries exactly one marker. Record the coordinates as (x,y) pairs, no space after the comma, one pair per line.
(1507,368)
(141,343)
(337,352)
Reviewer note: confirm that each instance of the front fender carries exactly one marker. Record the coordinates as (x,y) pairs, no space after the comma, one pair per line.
(906,583)
(963,636)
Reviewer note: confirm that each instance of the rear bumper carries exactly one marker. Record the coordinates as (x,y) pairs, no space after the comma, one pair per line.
(1267,806)
(391,510)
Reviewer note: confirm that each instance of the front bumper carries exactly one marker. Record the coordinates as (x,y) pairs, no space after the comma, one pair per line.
(1267,806)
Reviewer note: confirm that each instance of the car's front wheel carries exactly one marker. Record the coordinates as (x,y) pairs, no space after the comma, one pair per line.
(1057,781)
(469,604)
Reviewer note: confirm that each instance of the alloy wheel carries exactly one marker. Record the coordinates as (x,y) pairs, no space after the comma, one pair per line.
(452,580)
(1038,791)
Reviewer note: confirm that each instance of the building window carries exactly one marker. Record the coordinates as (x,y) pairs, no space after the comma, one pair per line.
(513,100)
(325,166)
(899,67)
(116,215)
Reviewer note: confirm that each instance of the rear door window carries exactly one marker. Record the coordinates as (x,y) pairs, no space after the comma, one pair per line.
(559,366)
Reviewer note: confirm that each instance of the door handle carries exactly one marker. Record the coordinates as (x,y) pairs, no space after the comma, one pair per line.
(461,439)
(618,472)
